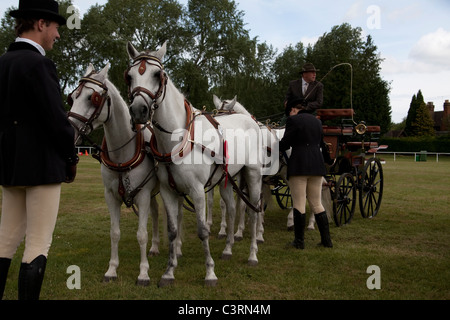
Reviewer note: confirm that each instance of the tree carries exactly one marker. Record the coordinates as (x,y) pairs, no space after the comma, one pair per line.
(219,42)
(418,121)
(148,24)
(368,93)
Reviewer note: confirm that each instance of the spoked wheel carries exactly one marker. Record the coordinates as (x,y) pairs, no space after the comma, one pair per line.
(344,200)
(371,188)
(283,195)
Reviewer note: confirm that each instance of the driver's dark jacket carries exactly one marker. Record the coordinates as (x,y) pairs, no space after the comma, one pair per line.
(36,138)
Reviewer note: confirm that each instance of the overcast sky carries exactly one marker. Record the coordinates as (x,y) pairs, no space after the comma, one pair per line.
(412,36)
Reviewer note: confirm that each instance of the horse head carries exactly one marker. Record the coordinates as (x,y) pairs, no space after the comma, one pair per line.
(146,80)
(230,105)
(87,102)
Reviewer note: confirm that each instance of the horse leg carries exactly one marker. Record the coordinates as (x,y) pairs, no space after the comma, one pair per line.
(198,196)
(223,221)
(154,210)
(114,212)
(254,181)
(142,237)
(228,197)
(290,220)
(180,229)
(209,208)
(171,202)
(312,220)
(260,226)
(241,207)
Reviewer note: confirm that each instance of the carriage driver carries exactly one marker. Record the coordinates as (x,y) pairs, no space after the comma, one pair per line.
(37,150)
(307,92)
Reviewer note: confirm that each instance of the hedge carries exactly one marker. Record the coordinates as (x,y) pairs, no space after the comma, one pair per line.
(416,144)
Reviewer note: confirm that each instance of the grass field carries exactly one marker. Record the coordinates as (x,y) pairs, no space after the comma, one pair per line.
(409,240)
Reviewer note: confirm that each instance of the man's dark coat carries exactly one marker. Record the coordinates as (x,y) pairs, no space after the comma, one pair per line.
(312,100)
(36,138)
(304,134)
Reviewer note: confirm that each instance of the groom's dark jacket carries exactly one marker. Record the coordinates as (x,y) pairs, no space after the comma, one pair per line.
(36,138)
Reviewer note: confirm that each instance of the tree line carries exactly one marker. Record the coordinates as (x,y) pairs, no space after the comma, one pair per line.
(211,52)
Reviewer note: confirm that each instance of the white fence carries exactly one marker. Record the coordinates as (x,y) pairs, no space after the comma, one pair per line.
(418,156)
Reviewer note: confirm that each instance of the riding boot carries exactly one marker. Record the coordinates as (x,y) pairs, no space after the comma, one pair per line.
(299,229)
(31,276)
(4,267)
(322,224)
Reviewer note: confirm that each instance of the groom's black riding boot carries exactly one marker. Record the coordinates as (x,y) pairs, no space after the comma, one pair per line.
(31,276)
(322,223)
(299,229)
(4,267)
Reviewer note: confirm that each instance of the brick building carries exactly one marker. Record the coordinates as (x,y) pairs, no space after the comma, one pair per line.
(441,118)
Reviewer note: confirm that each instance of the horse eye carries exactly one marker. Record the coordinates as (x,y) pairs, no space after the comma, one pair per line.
(89,97)
(157,74)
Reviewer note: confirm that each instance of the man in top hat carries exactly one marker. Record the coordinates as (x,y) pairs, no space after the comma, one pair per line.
(305,93)
(37,151)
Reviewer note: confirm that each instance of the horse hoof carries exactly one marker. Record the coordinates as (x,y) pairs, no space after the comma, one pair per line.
(226,256)
(238,238)
(109,279)
(221,236)
(211,283)
(165,282)
(143,283)
(252,263)
(290,228)
(260,241)
(153,253)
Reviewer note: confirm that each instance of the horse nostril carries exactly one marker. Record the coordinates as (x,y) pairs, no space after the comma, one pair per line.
(144,110)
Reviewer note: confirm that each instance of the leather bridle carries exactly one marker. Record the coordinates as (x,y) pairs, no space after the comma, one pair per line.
(98,101)
(142,60)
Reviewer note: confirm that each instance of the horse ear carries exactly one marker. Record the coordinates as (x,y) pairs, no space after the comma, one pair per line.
(230,106)
(89,70)
(104,72)
(217,102)
(162,51)
(132,52)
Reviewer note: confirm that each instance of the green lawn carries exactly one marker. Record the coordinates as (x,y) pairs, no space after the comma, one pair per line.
(408,240)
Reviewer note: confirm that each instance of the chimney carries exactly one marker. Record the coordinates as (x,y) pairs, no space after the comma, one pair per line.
(430,107)
(446,108)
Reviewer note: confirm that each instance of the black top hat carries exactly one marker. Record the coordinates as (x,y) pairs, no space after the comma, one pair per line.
(39,9)
(308,67)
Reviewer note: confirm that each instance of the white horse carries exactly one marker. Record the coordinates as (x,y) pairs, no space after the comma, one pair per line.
(127,171)
(198,151)
(234,105)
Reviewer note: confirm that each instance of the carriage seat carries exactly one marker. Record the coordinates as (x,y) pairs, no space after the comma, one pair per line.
(329,114)
(337,131)
(374,129)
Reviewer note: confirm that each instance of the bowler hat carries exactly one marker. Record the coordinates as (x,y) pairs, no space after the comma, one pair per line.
(39,9)
(308,67)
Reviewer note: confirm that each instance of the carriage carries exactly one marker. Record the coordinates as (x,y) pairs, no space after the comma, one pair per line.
(351,172)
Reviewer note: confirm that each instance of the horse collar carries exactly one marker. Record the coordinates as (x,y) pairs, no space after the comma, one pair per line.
(136,160)
(184,147)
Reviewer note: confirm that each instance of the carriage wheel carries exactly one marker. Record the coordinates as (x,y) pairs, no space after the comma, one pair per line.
(371,188)
(344,200)
(283,195)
